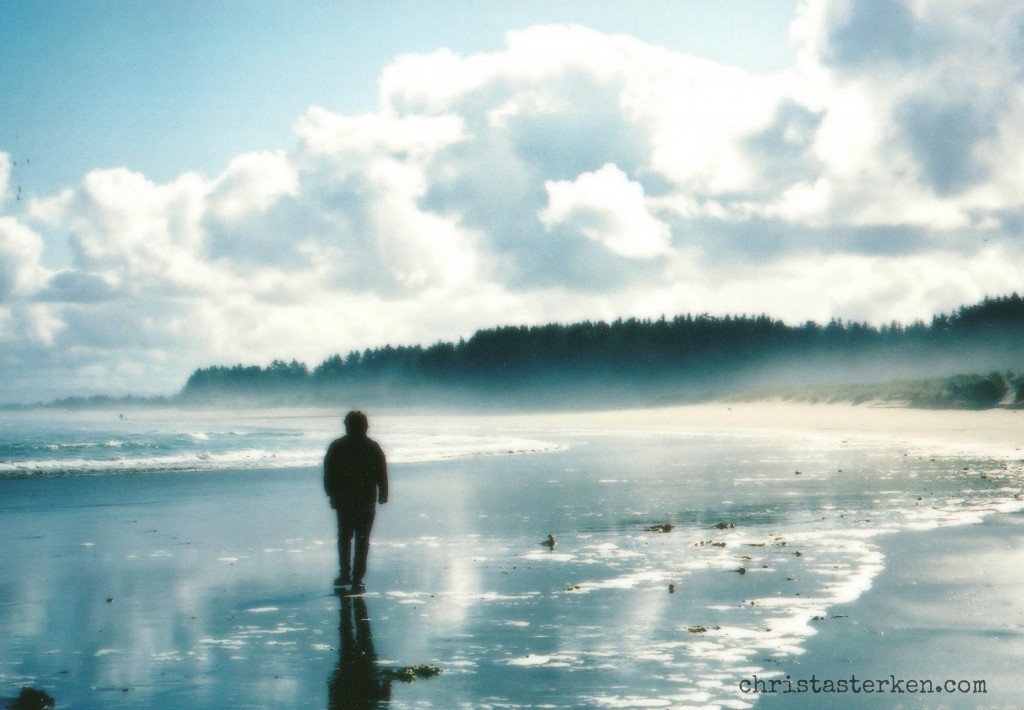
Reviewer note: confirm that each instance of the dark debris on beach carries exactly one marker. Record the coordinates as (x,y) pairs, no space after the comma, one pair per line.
(661,528)
(408,674)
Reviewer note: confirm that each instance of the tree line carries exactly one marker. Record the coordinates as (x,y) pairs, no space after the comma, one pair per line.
(627,353)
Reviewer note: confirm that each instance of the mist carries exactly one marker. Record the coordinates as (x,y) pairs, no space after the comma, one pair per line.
(658,362)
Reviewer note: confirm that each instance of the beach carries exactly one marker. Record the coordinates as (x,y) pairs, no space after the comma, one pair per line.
(997,432)
(947,607)
(804,540)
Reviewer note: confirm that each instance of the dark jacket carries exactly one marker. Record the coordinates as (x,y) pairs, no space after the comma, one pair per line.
(355,473)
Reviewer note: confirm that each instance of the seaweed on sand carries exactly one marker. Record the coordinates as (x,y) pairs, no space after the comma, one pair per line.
(411,673)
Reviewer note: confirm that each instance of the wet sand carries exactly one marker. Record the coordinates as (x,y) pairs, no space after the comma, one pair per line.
(213,589)
(947,606)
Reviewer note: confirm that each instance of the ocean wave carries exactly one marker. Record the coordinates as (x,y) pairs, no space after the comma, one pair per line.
(197,461)
(211,452)
(459,447)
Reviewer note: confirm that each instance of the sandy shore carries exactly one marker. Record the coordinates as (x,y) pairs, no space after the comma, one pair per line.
(994,433)
(947,606)
(212,589)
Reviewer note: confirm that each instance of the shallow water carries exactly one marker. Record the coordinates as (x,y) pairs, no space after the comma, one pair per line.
(47,443)
(211,587)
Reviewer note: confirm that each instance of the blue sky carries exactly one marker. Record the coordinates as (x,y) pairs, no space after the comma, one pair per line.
(165,87)
(186,184)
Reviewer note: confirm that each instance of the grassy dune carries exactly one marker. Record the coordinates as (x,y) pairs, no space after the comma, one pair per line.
(957,392)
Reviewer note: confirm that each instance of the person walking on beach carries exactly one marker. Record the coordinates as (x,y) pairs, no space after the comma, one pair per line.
(355,479)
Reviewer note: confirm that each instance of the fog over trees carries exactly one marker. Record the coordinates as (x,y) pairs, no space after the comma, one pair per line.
(684,358)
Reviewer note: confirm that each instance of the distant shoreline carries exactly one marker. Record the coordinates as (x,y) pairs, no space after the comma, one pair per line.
(843,411)
(994,391)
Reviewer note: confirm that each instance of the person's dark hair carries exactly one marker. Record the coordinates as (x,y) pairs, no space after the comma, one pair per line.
(356,423)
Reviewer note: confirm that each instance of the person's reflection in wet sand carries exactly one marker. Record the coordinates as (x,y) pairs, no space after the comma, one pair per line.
(357,682)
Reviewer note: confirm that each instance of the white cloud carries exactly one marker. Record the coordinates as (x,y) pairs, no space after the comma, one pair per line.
(143,235)
(348,139)
(608,208)
(871,288)
(26,328)
(252,183)
(922,108)
(20,252)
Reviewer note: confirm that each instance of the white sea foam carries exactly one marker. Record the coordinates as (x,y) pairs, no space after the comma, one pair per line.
(530,660)
(227,642)
(280,443)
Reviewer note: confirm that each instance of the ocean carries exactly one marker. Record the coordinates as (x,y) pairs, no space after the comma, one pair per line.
(53,442)
(173,558)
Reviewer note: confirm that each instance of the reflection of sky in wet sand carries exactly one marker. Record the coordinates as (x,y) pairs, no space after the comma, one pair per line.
(210,589)
(597,612)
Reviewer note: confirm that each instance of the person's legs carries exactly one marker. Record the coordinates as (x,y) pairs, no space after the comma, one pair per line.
(346,529)
(363,525)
